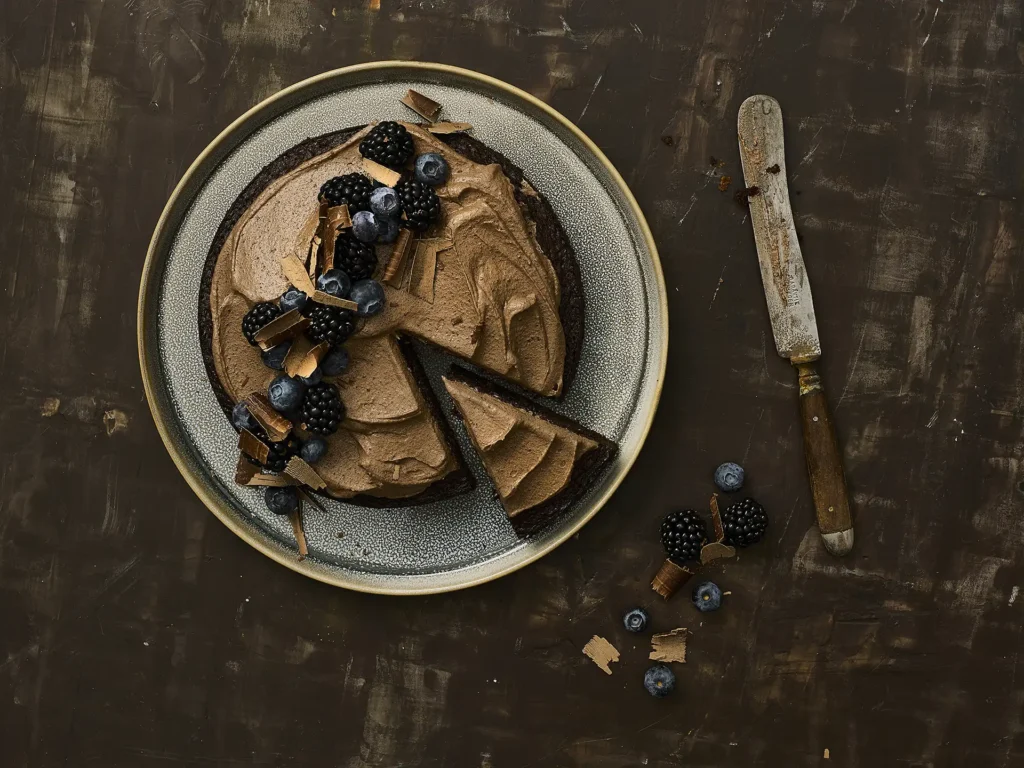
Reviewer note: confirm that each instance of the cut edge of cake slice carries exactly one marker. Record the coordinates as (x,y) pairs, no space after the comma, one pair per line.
(538,462)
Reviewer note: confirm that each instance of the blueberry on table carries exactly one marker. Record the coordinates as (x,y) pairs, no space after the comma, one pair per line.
(729,477)
(365,227)
(659,680)
(334,282)
(431,169)
(707,597)
(282,501)
(285,393)
(368,296)
(635,620)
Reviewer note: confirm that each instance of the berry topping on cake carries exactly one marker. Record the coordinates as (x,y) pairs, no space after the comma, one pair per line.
(431,169)
(335,362)
(385,204)
(335,282)
(745,523)
(364,227)
(352,189)
(242,419)
(291,299)
(322,409)
(257,317)
(313,450)
(274,357)
(285,393)
(683,533)
(387,143)
(282,501)
(421,206)
(331,324)
(314,378)
(388,230)
(280,452)
(369,296)
(358,260)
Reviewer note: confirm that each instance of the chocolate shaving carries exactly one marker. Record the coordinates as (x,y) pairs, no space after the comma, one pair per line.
(338,218)
(424,106)
(715,551)
(296,354)
(277,426)
(669,646)
(333,301)
(443,128)
(295,272)
(381,173)
(300,535)
(669,578)
(601,652)
(312,359)
(252,446)
(300,470)
(424,268)
(281,328)
(716,519)
(393,271)
(313,258)
(247,473)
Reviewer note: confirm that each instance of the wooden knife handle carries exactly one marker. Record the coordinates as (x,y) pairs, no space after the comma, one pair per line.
(824,463)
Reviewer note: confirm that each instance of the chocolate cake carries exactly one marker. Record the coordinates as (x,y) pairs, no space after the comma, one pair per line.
(477,264)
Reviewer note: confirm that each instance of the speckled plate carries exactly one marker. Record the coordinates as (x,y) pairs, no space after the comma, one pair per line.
(462,541)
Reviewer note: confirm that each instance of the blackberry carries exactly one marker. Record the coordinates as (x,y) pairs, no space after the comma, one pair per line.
(358,260)
(322,409)
(420,203)
(280,452)
(745,523)
(352,189)
(331,324)
(387,143)
(683,534)
(257,317)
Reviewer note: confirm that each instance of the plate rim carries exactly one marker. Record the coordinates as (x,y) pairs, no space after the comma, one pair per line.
(148,360)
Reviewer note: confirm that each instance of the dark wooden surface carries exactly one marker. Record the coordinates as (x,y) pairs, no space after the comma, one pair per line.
(135,630)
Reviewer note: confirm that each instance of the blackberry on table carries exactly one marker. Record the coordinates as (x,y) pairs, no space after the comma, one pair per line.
(387,143)
(420,203)
(257,317)
(331,324)
(683,534)
(358,260)
(745,523)
(322,409)
(352,189)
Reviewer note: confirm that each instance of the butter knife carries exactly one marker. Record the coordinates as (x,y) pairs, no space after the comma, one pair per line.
(791,309)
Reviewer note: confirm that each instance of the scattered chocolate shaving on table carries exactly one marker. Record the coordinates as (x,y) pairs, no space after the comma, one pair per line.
(298,469)
(669,578)
(393,271)
(669,646)
(424,106)
(601,652)
(773,168)
(281,328)
(333,301)
(440,129)
(252,446)
(380,173)
(295,273)
(724,182)
(715,551)
(275,424)
(300,535)
(716,519)
(743,195)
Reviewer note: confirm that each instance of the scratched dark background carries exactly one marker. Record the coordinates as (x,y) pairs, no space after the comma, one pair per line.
(136,630)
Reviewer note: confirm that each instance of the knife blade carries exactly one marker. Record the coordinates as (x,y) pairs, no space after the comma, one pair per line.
(791,309)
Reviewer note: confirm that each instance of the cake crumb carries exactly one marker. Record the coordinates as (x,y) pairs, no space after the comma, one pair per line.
(601,652)
(724,182)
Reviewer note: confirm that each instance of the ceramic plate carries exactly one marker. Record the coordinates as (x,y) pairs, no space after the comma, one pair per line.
(461,541)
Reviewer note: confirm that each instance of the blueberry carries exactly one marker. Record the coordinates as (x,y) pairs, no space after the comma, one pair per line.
(335,282)
(729,477)
(707,597)
(242,419)
(291,299)
(388,230)
(385,204)
(314,378)
(335,362)
(368,296)
(635,620)
(273,358)
(364,226)
(313,450)
(282,501)
(659,680)
(285,393)
(431,169)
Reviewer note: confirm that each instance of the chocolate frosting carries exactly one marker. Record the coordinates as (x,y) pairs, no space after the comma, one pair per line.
(494,302)
(529,459)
